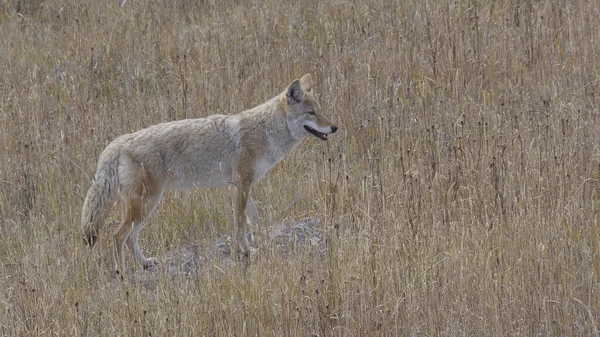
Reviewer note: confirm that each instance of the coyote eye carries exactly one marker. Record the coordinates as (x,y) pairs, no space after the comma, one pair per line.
(311,113)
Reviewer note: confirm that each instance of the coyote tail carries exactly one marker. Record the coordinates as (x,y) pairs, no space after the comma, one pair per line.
(101,195)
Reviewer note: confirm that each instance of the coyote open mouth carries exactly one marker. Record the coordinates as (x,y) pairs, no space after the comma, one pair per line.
(320,135)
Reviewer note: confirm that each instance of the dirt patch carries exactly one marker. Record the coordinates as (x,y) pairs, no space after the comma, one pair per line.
(283,239)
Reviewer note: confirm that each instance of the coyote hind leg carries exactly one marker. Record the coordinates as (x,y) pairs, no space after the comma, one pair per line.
(136,213)
(133,240)
(131,215)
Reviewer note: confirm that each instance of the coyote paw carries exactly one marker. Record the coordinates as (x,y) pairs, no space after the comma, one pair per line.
(251,239)
(242,255)
(150,263)
(119,274)
(253,250)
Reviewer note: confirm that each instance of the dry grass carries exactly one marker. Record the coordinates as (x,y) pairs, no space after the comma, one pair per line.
(460,197)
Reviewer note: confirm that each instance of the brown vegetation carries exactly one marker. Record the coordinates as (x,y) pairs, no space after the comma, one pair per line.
(461,195)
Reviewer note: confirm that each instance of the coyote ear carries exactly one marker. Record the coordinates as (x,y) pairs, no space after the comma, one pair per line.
(295,94)
(307,82)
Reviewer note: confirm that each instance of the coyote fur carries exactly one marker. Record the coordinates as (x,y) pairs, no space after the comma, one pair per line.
(216,151)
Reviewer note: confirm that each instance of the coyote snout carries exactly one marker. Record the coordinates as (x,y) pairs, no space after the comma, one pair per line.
(216,151)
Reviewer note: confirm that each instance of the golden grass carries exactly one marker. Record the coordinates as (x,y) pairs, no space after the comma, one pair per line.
(460,196)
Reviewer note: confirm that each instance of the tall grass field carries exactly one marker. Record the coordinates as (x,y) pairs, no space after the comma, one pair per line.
(460,196)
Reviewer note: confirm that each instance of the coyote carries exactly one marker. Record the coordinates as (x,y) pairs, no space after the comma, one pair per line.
(216,151)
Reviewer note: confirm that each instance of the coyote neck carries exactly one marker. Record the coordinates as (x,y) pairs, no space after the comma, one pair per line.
(267,133)
(280,138)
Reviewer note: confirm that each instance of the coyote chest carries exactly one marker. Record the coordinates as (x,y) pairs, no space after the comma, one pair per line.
(265,163)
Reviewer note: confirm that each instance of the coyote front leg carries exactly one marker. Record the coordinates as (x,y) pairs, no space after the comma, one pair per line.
(253,218)
(241,224)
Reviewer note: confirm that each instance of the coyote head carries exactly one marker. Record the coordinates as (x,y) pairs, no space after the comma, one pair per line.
(304,111)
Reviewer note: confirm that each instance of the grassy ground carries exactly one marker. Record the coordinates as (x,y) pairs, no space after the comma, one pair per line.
(460,196)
